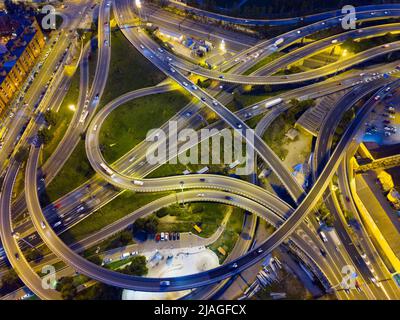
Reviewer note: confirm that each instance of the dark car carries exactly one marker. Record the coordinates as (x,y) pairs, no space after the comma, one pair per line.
(178,236)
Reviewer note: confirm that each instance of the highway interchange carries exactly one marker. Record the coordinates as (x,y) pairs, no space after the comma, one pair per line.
(244,195)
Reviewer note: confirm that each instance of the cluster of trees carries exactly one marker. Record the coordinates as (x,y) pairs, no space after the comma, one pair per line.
(122,239)
(326,214)
(148,224)
(365,44)
(67,288)
(204,83)
(99,291)
(22,155)
(137,267)
(9,282)
(297,108)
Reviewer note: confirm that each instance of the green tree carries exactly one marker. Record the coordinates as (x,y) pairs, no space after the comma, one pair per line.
(51,118)
(10,281)
(95,259)
(137,267)
(148,225)
(66,287)
(33,254)
(162,212)
(45,136)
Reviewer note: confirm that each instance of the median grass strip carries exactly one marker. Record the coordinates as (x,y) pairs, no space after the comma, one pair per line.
(76,171)
(135,119)
(178,218)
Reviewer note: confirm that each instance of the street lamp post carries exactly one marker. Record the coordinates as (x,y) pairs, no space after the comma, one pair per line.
(181,185)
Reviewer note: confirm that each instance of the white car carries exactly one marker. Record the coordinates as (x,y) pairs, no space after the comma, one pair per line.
(185,83)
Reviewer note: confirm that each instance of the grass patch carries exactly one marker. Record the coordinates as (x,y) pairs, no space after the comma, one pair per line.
(135,119)
(76,171)
(129,70)
(178,218)
(230,235)
(116,209)
(274,136)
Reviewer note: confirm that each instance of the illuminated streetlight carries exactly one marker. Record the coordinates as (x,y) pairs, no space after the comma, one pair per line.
(222,46)
(182,184)
(72,107)
(344,53)
(138,5)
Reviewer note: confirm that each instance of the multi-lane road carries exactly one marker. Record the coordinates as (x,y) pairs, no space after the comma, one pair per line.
(244,195)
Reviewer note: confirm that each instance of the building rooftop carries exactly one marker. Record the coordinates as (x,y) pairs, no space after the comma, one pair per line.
(20,37)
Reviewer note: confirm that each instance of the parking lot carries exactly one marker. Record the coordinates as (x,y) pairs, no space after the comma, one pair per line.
(384,128)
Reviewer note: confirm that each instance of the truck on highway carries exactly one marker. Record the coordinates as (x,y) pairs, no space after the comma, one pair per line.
(203,170)
(270,104)
(106,169)
(138,182)
(279,41)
